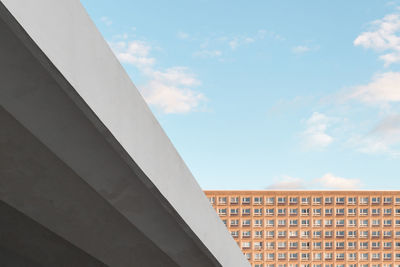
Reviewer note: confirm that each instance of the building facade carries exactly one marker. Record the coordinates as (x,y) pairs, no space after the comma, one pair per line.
(313,228)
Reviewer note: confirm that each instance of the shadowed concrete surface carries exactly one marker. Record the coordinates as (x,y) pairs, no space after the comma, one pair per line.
(87,176)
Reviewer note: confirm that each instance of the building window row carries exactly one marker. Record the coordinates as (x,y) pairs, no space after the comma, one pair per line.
(258,200)
(306,211)
(317,234)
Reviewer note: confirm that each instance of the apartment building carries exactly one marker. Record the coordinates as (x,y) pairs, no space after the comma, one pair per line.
(313,228)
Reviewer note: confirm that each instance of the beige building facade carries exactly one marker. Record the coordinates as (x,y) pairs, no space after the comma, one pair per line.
(313,228)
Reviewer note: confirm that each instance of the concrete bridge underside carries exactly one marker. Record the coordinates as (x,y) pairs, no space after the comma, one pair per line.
(87,176)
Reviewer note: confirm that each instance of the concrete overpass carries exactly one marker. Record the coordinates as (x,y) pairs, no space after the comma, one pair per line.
(87,175)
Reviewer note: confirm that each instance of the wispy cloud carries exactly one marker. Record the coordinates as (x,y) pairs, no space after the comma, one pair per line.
(171,90)
(106,20)
(330,181)
(384,88)
(300,49)
(315,135)
(182,35)
(383,38)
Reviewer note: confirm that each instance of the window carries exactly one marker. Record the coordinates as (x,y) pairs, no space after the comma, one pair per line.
(387,256)
(235,233)
(305,200)
(328,222)
(317,245)
(270,200)
(316,212)
(258,256)
(351,245)
(270,234)
(293,244)
(376,200)
(387,200)
(339,200)
(351,200)
(317,200)
(257,245)
(282,211)
(305,234)
(293,200)
(397,222)
(397,200)
(293,211)
(281,245)
(281,222)
(293,222)
(387,211)
(305,212)
(248,256)
(376,222)
(375,233)
(387,222)
(387,233)
(328,200)
(246,200)
(245,211)
(305,222)
(351,222)
(339,233)
(246,234)
(281,233)
(397,211)
(363,245)
(328,234)
(222,211)
(281,256)
(257,200)
(363,211)
(364,256)
(364,234)
(257,223)
(234,212)
(317,256)
(363,223)
(387,245)
(234,200)
(376,256)
(339,245)
(258,234)
(363,200)
(246,222)
(317,234)
(340,256)
(339,211)
(281,200)
(352,234)
(305,256)
(222,200)
(246,245)
(352,256)
(351,212)
(328,211)
(212,200)
(317,222)
(328,245)
(270,245)
(270,222)
(305,245)
(340,222)
(234,222)
(293,256)
(258,211)
(376,211)
(270,256)
(328,256)
(269,212)
(293,233)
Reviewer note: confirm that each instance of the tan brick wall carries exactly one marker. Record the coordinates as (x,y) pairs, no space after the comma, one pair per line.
(336,228)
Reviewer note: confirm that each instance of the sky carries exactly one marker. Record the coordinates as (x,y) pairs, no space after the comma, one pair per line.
(268,94)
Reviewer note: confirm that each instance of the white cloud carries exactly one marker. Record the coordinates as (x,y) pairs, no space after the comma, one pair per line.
(315,135)
(300,49)
(384,88)
(383,139)
(106,21)
(330,181)
(287,182)
(135,53)
(170,90)
(383,38)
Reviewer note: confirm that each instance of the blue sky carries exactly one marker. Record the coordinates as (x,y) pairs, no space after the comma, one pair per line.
(268,94)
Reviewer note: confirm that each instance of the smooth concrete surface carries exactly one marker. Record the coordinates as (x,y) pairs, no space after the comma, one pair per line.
(104,157)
